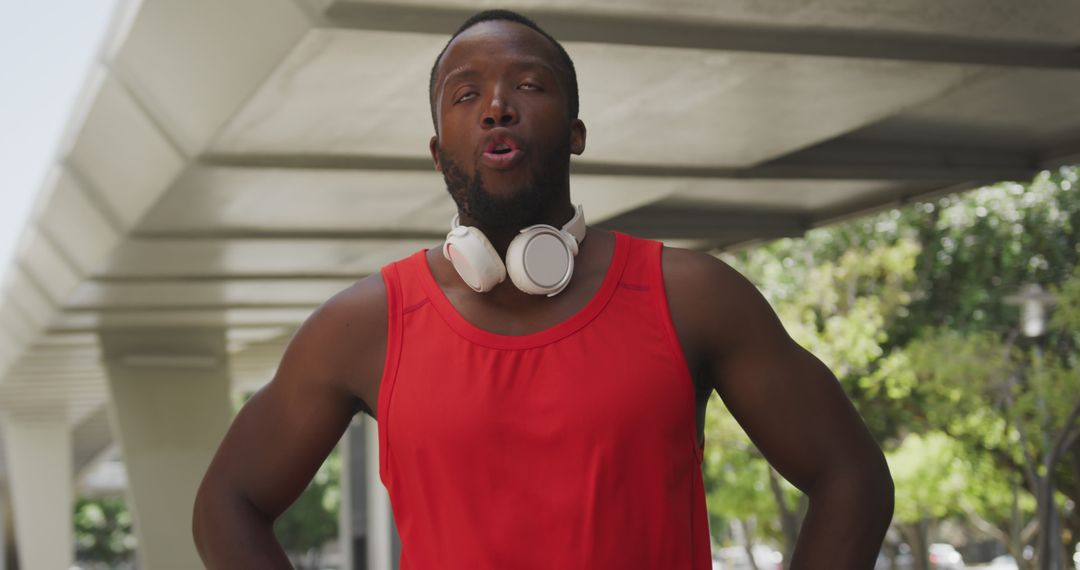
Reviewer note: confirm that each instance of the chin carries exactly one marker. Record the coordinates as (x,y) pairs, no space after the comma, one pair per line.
(504,192)
(502,199)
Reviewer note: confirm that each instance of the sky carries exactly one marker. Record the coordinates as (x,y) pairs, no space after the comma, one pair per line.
(46,52)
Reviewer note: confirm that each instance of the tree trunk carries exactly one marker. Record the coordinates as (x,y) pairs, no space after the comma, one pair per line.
(918,538)
(890,553)
(751,537)
(1019,533)
(1048,553)
(1071,489)
(745,533)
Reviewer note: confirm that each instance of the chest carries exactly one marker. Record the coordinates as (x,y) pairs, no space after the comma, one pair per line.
(513,317)
(607,388)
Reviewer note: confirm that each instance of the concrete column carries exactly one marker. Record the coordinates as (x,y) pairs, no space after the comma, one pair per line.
(349,528)
(3,531)
(7,533)
(383,545)
(366,532)
(169,409)
(39,462)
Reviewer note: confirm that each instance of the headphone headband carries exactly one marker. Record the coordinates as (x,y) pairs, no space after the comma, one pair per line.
(575,227)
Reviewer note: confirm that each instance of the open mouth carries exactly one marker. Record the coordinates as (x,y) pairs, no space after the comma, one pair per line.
(501,145)
(502,152)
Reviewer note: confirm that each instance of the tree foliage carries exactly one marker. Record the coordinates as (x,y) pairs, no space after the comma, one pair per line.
(104,532)
(312,519)
(930,477)
(912,310)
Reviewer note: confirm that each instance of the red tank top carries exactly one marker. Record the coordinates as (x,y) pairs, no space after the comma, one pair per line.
(571,448)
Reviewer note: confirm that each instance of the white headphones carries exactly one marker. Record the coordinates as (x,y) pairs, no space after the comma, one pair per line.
(540,259)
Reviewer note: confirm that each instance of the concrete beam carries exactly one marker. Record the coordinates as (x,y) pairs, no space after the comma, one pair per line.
(900,199)
(856,159)
(271,234)
(695,221)
(578,26)
(864,161)
(726,228)
(92,438)
(1063,155)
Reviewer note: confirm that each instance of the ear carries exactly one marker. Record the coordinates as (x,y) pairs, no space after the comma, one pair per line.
(577,136)
(433,146)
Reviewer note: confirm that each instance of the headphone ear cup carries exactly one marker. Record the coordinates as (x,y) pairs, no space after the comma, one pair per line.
(539,261)
(474,258)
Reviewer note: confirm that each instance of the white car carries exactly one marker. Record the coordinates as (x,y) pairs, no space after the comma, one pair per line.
(1003,562)
(734,558)
(945,557)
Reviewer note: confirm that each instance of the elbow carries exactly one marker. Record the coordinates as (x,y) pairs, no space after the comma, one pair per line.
(887,492)
(202,519)
(875,487)
(862,486)
(873,483)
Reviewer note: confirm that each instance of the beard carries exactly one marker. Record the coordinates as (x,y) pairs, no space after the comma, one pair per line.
(521,207)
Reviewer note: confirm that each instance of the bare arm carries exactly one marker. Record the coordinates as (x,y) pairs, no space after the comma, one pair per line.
(278,440)
(790,405)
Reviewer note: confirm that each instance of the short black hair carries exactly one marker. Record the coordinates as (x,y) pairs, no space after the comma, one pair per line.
(571,84)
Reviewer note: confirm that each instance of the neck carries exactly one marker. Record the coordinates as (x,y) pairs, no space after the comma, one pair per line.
(557,214)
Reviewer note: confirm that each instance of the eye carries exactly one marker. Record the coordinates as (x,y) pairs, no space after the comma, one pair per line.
(529,86)
(465,96)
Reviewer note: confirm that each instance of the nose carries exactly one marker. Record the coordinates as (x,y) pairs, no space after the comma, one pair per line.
(499,112)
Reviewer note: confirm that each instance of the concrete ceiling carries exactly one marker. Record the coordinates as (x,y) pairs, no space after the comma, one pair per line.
(235,162)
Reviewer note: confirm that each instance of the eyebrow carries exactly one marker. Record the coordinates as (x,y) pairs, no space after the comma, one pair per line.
(459,73)
(465,71)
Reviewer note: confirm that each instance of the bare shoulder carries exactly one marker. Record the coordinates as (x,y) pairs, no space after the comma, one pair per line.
(699,278)
(713,305)
(342,344)
(689,268)
(356,310)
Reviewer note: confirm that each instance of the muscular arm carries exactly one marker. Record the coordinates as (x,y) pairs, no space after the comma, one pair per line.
(790,405)
(278,440)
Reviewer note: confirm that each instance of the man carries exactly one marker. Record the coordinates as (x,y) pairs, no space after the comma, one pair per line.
(555,419)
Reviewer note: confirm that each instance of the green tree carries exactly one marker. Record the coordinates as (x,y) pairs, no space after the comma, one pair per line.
(979,379)
(104,532)
(312,520)
(909,308)
(996,503)
(746,501)
(839,292)
(930,479)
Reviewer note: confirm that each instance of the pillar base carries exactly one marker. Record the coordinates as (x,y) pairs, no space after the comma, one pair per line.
(39,453)
(169,409)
